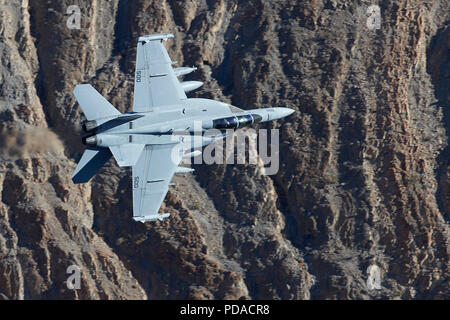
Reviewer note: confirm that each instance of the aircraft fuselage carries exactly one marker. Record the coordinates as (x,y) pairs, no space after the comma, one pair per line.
(194,115)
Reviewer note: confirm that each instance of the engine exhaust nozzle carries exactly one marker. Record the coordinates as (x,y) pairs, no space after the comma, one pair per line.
(90,140)
(89,125)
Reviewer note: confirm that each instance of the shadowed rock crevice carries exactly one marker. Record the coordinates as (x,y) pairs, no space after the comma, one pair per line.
(438,67)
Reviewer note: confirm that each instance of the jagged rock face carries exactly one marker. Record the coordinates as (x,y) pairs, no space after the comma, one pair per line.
(364,173)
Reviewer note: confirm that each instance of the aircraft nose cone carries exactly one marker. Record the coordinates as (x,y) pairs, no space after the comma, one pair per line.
(281,113)
(287,112)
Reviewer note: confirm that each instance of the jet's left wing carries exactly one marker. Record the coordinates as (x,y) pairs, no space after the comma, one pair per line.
(155,82)
(151,177)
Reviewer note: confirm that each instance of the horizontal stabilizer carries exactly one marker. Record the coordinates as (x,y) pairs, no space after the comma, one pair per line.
(127,155)
(93,104)
(91,161)
(152,217)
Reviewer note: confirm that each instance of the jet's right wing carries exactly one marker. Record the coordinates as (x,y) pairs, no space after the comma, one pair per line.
(151,177)
(155,82)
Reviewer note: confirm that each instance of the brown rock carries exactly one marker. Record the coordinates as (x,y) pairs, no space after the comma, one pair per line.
(364,172)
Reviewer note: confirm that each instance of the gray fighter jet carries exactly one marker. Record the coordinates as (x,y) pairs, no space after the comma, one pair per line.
(146,138)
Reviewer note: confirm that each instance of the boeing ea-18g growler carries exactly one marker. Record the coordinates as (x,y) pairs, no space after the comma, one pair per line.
(146,138)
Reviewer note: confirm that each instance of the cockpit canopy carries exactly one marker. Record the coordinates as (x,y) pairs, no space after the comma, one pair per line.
(236,121)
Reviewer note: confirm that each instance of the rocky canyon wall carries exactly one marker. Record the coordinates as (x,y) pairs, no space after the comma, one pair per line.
(364,173)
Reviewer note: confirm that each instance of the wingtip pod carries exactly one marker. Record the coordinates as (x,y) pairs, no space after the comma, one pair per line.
(155,36)
(152,217)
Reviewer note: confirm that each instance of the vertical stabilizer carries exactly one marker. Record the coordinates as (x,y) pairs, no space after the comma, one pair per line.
(93,104)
